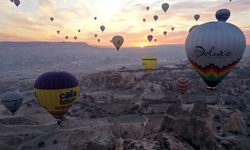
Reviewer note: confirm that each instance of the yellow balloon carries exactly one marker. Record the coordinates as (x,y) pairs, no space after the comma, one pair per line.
(57,102)
(149,63)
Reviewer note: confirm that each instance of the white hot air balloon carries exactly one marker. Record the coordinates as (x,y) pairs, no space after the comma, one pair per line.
(12,100)
(196,17)
(165,7)
(193,27)
(117,41)
(214,49)
(222,15)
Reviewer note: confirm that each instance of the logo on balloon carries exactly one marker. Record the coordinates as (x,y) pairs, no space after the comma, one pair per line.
(68,97)
(200,51)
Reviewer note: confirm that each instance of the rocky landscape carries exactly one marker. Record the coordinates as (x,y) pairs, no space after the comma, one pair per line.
(144,111)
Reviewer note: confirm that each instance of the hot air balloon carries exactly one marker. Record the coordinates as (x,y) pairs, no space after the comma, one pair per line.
(51,19)
(95,35)
(11,1)
(172,28)
(196,17)
(155,17)
(150,38)
(149,63)
(58,31)
(165,7)
(98,40)
(66,37)
(79,30)
(183,84)
(155,40)
(56,92)
(222,15)
(95,18)
(117,41)
(116,77)
(102,28)
(152,30)
(17,2)
(165,33)
(75,37)
(214,49)
(147,8)
(144,20)
(12,100)
(193,27)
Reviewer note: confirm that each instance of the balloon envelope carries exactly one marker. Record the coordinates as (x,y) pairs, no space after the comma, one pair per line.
(222,15)
(165,7)
(172,28)
(56,92)
(12,100)
(165,33)
(116,77)
(147,8)
(214,49)
(117,41)
(51,19)
(149,63)
(155,17)
(102,28)
(183,84)
(150,38)
(152,30)
(197,17)
(58,31)
(17,2)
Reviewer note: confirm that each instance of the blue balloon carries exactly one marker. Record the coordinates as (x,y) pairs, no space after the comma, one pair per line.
(223,15)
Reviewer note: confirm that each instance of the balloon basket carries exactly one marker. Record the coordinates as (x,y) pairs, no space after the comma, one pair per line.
(212,88)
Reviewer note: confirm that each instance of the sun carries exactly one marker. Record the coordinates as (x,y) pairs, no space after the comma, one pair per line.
(141,45)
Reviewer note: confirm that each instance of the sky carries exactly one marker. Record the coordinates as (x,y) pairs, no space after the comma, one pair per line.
(31,20)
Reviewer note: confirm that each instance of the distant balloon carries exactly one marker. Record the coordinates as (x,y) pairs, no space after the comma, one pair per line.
(17,2)
(165,7)
(11,1)
(183,84)
(56,92)
(58,31)
(152,30)
(193,27)
(222,15)
(144,20)
(214,49)
(51,19)
(66,37)
(150,38)
(196,17)
(117,41)
(147,8)
(79,30)
(95,35)
(155,17)
(116,77)
(98,40)
(155,40)
(75,37)
(95,18)
(102,28)
(165,33)
(149,63)
(12,100)
(172,28)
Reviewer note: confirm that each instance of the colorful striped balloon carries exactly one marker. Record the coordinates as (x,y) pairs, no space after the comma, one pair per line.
(183,84)
(56,92)
(116,77)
